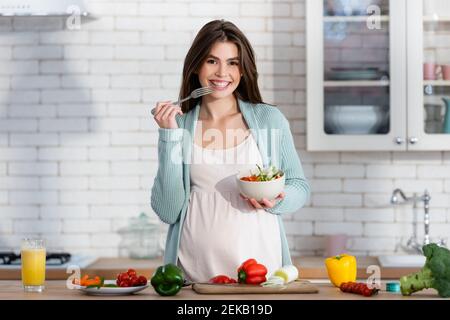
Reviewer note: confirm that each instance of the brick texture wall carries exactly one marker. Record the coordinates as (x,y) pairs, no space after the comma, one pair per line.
(78,148)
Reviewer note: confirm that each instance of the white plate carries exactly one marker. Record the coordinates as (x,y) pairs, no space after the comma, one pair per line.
(111,291)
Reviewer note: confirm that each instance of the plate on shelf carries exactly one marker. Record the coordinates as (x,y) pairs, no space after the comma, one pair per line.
(355,74)
(111,290)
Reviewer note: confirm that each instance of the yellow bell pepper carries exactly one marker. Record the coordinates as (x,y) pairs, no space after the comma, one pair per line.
(341,268)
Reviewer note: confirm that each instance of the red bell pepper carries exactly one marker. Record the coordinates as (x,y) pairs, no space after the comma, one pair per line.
(222,279)
(251,272)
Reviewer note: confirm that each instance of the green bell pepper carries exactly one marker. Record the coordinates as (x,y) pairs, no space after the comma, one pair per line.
(168,280)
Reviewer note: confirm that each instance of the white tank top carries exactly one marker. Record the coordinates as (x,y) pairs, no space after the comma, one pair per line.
(222,230)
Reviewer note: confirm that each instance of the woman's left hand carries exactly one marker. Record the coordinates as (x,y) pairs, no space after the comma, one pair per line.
(264,203)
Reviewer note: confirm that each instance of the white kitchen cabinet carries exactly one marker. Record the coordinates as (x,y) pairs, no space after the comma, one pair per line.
(368,81)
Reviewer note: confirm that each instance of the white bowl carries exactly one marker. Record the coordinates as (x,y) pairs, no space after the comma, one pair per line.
(260,189)
(355,119)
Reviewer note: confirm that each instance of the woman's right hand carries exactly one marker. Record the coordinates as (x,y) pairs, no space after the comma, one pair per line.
(165,113)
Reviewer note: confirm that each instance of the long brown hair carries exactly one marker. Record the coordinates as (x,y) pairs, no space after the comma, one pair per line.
(213,31)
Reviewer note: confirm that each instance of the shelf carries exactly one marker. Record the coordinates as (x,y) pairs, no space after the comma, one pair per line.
(439,83)
(352,18)
(357,83)
(436,18)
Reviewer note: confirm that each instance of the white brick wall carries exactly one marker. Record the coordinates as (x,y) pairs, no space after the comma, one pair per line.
(78,149)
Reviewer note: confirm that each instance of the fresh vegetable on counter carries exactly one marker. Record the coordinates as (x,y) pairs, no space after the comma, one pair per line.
(358,288)
(434,274)
(341,268)
(85,281)
(251,272)
(282,276)
(289,273)
(130,279)
(125,279)
(222,279)
(167,280)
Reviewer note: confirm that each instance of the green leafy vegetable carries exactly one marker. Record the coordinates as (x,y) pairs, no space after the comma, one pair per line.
(434,274)
(268,174)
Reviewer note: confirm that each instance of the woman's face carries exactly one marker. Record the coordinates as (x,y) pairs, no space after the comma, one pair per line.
(221,69)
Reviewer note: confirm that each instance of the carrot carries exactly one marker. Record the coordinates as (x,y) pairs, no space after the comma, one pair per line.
(86,281)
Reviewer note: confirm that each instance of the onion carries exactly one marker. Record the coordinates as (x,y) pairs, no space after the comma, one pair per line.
(273,281)
(287,273)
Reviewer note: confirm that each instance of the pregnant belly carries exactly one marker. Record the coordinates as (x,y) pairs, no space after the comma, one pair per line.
(221,231)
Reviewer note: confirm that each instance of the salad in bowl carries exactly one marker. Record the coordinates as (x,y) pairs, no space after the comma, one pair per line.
(261,183)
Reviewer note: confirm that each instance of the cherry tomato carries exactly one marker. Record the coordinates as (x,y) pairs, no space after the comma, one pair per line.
(142,280)
(134,281)
(131,272)
(367,292)
(344,287)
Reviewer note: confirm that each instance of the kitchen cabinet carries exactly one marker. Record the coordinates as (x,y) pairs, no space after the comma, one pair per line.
(378,75)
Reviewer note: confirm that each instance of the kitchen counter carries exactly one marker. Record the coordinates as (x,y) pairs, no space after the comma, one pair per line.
(310,268)
(56,290)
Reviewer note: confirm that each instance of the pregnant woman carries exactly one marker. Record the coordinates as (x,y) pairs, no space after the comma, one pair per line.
(204,143)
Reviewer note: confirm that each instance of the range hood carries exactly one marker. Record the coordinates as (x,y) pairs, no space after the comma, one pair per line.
(42,7)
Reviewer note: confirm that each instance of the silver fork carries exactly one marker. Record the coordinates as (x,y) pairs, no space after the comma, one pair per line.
(197,93)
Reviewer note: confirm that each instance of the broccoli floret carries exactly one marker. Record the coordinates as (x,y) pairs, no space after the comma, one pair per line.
(434,274)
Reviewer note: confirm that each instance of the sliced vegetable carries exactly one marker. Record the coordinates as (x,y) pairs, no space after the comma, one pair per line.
(85,281)
(288,273)
(274,281)
(222,279)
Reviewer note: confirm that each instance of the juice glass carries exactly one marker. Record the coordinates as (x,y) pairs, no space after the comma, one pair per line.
(33,258)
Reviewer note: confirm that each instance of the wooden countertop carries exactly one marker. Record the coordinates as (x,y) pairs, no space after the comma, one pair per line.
(310,268)
(56,290)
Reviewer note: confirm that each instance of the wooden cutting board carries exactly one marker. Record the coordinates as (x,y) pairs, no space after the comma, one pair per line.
(298,286)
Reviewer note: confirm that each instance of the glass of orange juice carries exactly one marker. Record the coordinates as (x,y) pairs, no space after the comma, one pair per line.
(33,258)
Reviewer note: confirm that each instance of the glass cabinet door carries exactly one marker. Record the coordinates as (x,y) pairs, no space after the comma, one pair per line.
(430,65)
(356,87)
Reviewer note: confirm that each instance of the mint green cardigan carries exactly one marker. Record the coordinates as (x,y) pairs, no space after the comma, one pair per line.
(171,189)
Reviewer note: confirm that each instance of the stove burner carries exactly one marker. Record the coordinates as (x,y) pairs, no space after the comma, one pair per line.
(7,258)
(62,257)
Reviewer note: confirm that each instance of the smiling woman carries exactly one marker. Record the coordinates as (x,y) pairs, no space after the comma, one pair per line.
(213,228)
(224,48)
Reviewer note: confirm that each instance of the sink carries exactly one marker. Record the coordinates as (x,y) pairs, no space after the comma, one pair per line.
(399,261)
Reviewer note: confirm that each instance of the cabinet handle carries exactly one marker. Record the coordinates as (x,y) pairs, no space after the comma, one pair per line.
(413,140)
(399,140)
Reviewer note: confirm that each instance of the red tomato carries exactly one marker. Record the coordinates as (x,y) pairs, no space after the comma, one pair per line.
(142,280)
(367,292)
(131,272)
(134,281)
(123,276)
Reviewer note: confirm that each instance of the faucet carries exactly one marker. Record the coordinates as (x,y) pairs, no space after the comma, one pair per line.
(425,198)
